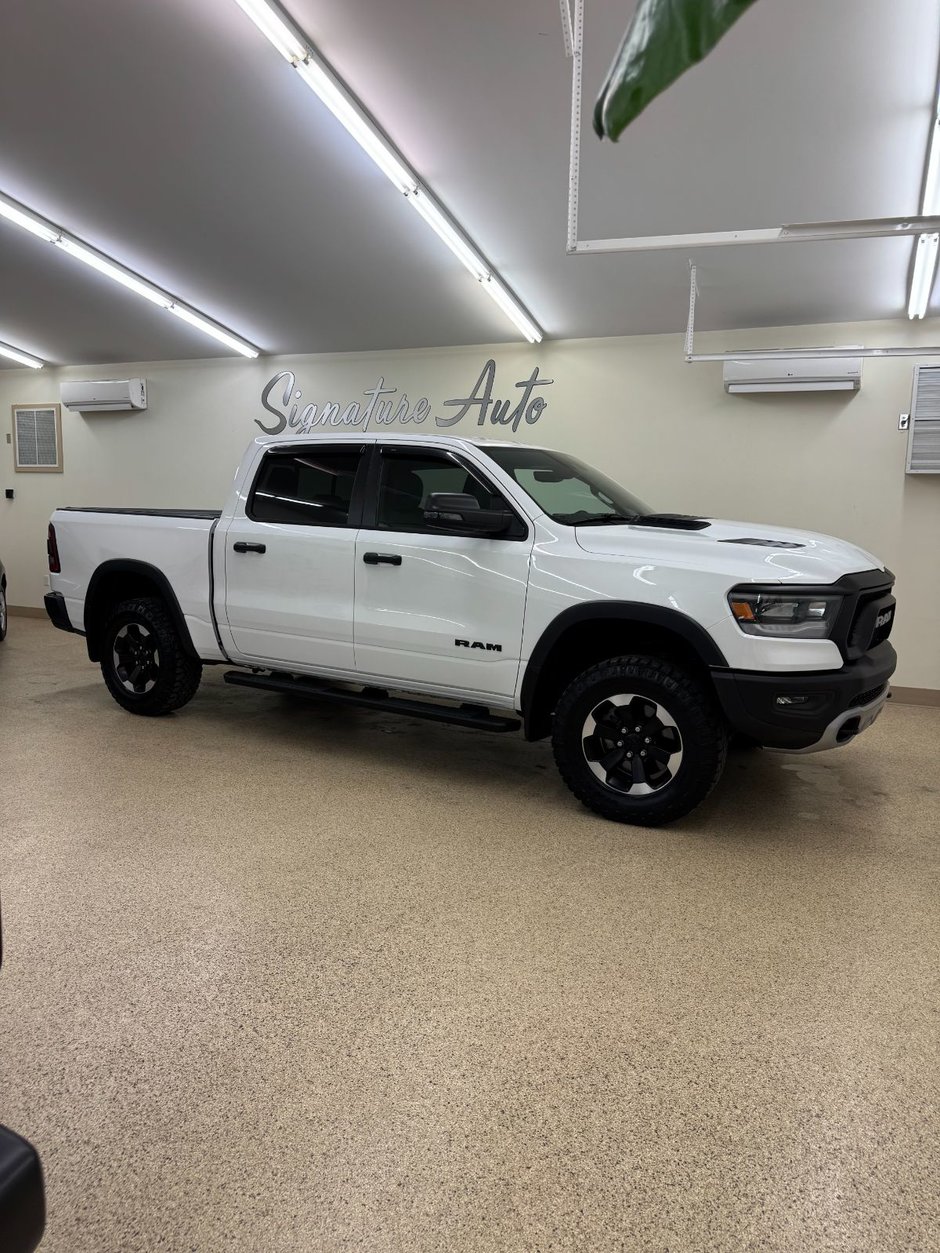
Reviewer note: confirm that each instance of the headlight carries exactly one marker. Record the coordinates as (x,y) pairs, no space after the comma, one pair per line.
(780,614)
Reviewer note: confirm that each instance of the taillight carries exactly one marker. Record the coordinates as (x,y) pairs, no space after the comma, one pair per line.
(52,548)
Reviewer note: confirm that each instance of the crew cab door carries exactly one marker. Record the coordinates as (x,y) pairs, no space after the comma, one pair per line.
(290,559)
(432,608)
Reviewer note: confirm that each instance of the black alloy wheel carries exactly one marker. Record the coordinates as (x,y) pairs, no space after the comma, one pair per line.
(639,739)
(144,662)
(632,744)
(135,657)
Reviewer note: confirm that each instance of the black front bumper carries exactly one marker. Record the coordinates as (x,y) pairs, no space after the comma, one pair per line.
(758,705)
(57,611)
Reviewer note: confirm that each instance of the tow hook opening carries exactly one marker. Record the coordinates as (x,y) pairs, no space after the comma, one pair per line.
(848,730)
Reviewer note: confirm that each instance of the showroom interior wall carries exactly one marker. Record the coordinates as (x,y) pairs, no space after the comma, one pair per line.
(831,462)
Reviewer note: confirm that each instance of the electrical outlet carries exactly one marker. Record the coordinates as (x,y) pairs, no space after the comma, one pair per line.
(904,421)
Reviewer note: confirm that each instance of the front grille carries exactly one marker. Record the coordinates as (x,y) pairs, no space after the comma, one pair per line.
(865,632)
(863,698)
(882,632)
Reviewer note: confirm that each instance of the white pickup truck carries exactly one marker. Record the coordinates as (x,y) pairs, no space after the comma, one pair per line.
(483,584)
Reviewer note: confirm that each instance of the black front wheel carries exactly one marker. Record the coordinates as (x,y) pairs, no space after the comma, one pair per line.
(639,739)
(143,660)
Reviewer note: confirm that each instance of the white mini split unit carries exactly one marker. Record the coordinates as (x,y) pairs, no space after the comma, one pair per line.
(818,374)
(104,395)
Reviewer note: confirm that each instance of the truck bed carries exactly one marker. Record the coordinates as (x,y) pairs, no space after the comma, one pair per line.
(174,543)
(208,514)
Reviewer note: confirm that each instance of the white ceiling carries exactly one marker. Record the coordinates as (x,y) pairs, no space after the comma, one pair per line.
(171,136)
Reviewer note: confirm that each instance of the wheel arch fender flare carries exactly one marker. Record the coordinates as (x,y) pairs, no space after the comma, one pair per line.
(107,576)
(630,613)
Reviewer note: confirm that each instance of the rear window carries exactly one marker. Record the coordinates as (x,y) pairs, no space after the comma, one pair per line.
(307,487)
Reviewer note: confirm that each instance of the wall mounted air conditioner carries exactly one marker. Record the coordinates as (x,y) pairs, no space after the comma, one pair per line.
(821,374)
(104,395)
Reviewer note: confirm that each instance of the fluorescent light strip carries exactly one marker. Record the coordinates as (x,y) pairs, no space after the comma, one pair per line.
(118,273)
(209,328)
(439,223)
(925,268)
(331,90)
(273,28)
(513,310)
(361,129)
(112,271)
(14,354)
(28,221)
(932,179)
(925,247)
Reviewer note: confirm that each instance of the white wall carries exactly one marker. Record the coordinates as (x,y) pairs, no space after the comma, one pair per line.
(826,462)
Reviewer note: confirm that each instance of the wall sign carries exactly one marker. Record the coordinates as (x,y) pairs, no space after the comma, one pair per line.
(383,406)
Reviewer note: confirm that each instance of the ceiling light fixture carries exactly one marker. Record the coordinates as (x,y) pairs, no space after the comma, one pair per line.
(366,135)
(449,234)
(337,97)
(28,221)
(925,247)
(14,354)
(273,27)
(925,267)
(210,328)
(36,225)
(932,178)
(112,271)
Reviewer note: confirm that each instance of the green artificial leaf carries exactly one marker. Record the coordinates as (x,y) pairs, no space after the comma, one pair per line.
(665,38)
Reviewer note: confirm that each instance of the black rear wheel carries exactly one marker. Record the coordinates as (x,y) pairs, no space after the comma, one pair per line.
(143,660)
(639,739)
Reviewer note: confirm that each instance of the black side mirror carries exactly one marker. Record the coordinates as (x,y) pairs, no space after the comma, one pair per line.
(461,513)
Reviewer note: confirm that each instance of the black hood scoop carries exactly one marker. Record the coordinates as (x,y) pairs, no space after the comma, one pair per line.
(764,543)
(672,521)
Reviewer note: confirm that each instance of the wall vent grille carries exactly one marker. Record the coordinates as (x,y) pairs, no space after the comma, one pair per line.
(923,444)
(37,438)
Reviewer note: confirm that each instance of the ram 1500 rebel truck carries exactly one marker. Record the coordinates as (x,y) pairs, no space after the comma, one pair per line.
(486,584)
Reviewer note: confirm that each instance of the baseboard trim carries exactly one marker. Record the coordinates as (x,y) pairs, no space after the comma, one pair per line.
(916,696)
(26,611)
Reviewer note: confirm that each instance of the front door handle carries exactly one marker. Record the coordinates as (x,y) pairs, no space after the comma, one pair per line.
(241,547)
(382,559)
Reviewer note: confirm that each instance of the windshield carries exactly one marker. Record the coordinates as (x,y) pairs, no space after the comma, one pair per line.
(565,488)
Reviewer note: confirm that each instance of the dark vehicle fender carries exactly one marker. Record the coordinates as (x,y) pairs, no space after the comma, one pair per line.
(123,579)
(585,634)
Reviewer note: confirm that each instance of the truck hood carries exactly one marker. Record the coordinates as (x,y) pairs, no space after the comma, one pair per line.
(745,550)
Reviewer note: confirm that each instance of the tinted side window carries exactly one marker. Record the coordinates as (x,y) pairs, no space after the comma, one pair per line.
(407,479)
(310,486)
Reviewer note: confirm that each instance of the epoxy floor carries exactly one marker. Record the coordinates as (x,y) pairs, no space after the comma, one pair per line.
(281,978)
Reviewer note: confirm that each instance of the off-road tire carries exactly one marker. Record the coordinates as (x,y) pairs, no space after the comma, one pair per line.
(700,732)
(173,677)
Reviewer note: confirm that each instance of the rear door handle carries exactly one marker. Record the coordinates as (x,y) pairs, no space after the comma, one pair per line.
(241,547)
(382,559)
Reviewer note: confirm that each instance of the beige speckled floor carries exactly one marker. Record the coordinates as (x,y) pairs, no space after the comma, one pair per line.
(281,979)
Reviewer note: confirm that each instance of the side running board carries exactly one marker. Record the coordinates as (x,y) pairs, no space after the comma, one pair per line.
(374,698)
